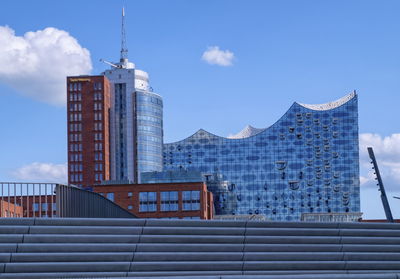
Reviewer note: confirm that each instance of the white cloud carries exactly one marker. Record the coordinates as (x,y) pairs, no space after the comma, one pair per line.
(213,55)
(42,172)
(37,63)
(387,153)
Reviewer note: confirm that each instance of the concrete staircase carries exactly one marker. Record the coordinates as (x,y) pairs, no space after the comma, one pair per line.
(138,248)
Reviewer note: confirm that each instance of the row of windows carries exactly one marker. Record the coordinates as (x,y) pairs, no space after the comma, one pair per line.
(75,97)
(75,127)
(98,116)
(75,147)
(97,85)
(149,128)
(75,86)
(97,96)
(98,166)
(76,177)
(169,201)
(98,177)
(44,206)
(157,120)
(75,157)
(97,106)
(98,146)
(98,136)
(75,107)
(149,110)
(11,214)
(154,100)
(75,137)
(98,126)
(98,156)
(191,200)
(149,138)
(147,201)
(75,117)
(149,148)
(75,167)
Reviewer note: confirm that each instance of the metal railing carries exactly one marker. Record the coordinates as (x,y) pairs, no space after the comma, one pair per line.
(55,200)
(75,202)
(331,217)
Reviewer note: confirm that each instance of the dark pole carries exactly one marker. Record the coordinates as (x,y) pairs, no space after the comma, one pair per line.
(385,202)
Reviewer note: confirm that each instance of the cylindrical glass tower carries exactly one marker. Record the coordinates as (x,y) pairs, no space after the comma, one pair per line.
(149,131)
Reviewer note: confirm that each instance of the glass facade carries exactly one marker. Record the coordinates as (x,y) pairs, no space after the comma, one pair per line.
(136,133)
(149,131)
(307,162)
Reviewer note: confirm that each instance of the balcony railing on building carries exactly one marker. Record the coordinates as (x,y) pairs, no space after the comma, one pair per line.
(55,200)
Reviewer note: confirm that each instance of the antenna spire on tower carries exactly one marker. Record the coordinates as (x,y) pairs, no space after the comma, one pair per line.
(124,50)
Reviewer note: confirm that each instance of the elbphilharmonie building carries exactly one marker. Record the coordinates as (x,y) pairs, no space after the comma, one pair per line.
(307,162)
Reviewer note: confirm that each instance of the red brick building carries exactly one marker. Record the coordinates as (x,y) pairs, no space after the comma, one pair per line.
(162,200)
(9,209)
(32,206)
(88,129)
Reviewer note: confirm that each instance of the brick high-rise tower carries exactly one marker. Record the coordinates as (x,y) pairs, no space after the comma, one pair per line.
(88,129)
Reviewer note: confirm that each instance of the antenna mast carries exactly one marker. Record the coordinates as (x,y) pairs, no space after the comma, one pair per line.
(124,50)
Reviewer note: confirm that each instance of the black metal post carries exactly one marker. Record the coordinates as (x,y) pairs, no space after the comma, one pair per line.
(385,201)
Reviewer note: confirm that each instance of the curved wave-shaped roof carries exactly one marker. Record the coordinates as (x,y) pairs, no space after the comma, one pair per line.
(250,131)
(247,132)
(330,105)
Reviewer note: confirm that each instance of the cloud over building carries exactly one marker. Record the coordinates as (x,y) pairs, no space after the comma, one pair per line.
(36,64)
(43,172)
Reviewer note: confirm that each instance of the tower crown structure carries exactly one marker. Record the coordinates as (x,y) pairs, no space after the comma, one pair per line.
(124,49)
(135,119)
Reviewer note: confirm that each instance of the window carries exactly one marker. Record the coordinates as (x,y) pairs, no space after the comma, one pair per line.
(169,201)
(44,206)
(148,201)
(191,200)
(110,196)
(129,194)
(130,207)
(35,207)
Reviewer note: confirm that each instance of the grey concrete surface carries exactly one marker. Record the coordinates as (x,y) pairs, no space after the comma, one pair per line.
(139,248)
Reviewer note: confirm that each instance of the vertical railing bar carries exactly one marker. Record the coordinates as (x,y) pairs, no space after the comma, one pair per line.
(33,200)
(61,197)
(22,201)
(40,200)
(45,198)
(52,193)
(15,200)
(8,194)
(61,205)
(27,200)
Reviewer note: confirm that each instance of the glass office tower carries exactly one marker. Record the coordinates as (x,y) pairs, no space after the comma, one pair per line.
(136,125)
(308,161)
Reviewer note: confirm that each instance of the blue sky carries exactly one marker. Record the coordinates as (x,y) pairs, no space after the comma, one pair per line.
(283,51)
